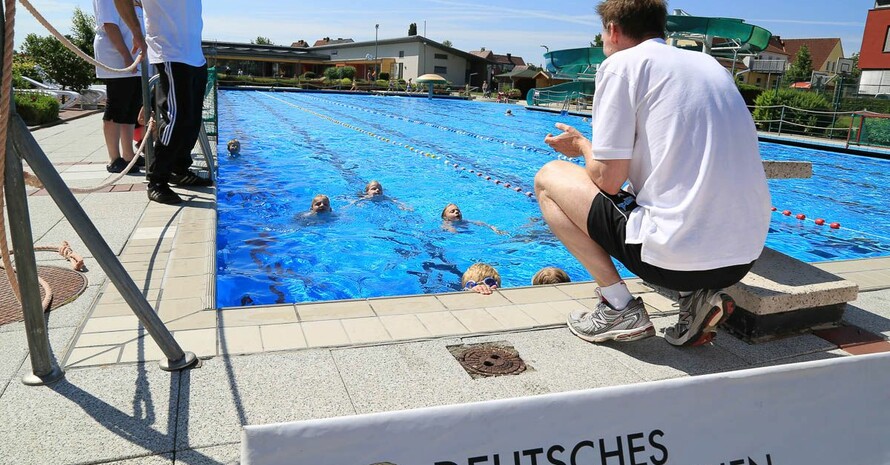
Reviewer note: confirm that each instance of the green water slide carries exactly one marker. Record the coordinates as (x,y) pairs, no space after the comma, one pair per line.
(746,37)
(581,63)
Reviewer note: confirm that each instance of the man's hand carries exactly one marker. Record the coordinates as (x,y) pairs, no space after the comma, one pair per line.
(138,44)
(570,143)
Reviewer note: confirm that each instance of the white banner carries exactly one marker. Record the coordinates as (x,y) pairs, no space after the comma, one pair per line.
(832,412)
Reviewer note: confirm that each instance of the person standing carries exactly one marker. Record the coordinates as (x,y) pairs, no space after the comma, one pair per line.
(113,44)
(173,43)
(696,210)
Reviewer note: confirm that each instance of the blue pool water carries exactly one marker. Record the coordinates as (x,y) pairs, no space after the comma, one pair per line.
(296,145)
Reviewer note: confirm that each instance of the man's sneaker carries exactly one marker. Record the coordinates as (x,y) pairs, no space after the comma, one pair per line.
(140,163)
(607,323)
(700,313)
(118,165)
(162,193)
(189,178)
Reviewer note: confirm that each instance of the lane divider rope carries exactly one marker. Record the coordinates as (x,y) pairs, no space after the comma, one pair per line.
(456,131)
(409,147)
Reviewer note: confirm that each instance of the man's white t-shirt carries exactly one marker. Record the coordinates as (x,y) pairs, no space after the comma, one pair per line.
(695,165)
(104,50)
(173,31)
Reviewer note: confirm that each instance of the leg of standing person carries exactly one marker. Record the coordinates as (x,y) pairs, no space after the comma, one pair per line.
(178,118)
(119,120)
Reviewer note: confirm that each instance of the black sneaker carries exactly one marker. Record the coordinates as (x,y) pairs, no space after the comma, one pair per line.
(118,165)
(161,193)
(140,163)
(190,178)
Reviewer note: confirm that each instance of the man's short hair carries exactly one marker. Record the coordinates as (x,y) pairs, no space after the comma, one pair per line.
(637,19)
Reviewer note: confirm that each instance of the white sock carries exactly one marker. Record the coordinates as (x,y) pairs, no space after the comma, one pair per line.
(617,295)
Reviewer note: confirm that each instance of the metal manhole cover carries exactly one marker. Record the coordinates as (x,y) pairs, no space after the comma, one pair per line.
(66,285)
(489,359)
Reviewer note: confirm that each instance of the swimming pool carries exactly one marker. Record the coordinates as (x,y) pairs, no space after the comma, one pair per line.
(428,153)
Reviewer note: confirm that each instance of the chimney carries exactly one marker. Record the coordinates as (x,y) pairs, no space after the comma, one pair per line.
(509,58)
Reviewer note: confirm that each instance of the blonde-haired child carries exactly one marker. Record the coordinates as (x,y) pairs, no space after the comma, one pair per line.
(550,275)
(481,278)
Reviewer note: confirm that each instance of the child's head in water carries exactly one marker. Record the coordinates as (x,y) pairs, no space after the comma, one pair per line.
(320,204)
(550,275)
(481,278)
(373,189)
(234,147)
(452,213)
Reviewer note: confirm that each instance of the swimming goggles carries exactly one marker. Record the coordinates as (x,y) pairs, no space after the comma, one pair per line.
(489,281)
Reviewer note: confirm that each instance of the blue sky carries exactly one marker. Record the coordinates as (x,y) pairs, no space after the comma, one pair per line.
(516,26)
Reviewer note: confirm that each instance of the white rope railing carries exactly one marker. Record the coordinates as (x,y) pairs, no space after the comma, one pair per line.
(30,179)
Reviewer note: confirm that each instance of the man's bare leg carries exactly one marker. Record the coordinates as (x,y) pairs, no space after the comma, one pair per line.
(565,193)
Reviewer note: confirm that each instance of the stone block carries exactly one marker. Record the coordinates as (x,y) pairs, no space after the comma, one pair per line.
(783,295)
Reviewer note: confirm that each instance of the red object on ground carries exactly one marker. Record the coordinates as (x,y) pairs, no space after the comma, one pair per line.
(835,226)
(801,216)
(773,209)
(820,221)
(786,212)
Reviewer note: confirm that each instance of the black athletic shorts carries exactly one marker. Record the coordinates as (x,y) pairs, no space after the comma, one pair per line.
(607,223)
(123,99)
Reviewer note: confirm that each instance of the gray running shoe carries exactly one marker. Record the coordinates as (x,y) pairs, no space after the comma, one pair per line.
(700,313)
(607,323)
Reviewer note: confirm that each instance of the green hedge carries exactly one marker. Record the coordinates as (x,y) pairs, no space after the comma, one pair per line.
(870,104)
(794,99)
(36,108)
(749,92)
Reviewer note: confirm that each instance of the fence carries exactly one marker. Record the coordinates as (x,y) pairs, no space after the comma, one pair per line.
(783,119)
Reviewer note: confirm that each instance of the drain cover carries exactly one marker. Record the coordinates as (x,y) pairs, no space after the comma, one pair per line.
(65,283)
(489,359)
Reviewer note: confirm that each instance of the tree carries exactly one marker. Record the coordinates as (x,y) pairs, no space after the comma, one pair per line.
(597,41)
(83,31)
(856,71)
(447,43)
(412,29)
(59,63)
(802,67)
(260,40)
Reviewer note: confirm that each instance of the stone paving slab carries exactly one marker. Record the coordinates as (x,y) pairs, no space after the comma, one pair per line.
(425,373)
(228,392)
(91,416)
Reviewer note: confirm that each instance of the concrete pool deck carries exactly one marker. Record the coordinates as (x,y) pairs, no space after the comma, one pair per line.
(294,362)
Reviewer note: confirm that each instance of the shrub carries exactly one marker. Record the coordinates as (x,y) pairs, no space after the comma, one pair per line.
(796,100)
(332,73)
(384,76)
(860,104)
(347,72)
(36,108)
(749,93)
(876,131)
(23,66)
(346,82)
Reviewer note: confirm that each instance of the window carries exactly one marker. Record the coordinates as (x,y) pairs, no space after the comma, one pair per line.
(401,54)
(759,80)
(887,41)
(441,56)
(440,69)
(333,52)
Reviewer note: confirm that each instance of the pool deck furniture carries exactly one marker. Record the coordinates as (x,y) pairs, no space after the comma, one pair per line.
(317,360)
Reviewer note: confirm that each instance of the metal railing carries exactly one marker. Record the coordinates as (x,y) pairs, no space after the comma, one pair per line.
(784,119)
